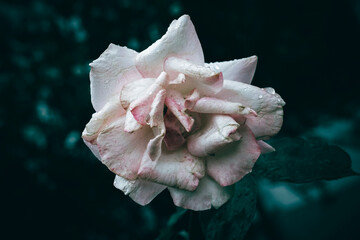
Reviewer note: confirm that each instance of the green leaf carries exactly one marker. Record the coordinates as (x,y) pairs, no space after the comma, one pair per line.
(234,218)
(301,161)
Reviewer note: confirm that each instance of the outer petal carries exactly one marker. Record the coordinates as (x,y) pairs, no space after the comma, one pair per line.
(94,149)
(180,40)
(121,151)
(208,193)
(265,102)
(217,132)
(235,160)
(241,70)
(142,192)
(176,169)
(114,68)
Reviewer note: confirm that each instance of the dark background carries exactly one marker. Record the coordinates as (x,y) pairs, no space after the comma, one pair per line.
(53,188)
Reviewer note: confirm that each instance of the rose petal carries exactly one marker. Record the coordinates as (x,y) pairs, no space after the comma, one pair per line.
(174,132)
(142,192)
(140,108)
(94,149)
(241,70)
(131,125)
(175,103)
(208,193)
(218,106)
(179,40)
(217,132)
(156,122)
(132,90)
(114,68)
(235,160)
(176,169)
(121,151)
(203,78)
(265,147)
(266,104)
(100,119)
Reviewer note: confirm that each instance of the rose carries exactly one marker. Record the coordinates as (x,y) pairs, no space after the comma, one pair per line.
(165,119)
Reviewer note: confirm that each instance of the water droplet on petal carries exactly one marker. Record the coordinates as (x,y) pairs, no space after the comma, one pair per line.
(260,96)
(270,90)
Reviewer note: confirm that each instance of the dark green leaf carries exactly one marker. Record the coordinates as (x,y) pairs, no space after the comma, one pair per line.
(234,218)
(301,161)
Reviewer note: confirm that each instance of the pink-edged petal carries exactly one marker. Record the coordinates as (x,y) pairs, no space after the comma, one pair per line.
(208,194)
(265,147)
(140,108)
(203,78)
(180,40)
(156,122)
(121,151)
(131,125)
(141,191)
(190,100)
(114,68)
(265,102)
(217,132)
(241,70)
(100,119)
(218,106)
(174,138)
(175,103)
(176,169)
(235,160)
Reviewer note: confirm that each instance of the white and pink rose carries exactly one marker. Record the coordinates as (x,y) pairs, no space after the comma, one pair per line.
(166,119)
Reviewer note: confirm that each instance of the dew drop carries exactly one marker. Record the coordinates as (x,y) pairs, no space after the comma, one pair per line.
(260,96)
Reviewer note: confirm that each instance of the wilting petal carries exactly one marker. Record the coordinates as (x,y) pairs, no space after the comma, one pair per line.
(175,103)
(141,191)
(218,106)
(121,151)
(179,40)
(156,122)
(203,78)
(140,108)
(217,132)
(114,68)
(99,120)
(240,70)
(208,193)
(176,169)
(265,148)
(234,161)
(267,104)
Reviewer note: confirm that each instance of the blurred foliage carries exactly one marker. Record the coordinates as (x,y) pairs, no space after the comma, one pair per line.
(53,188)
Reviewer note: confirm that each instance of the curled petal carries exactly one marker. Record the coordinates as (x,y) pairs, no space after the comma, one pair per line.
(141,191)
(114,68)
(203,78)
(131,125)
(175,103)
(140,108)
(218,131)
(218,106)
(100,119)
(240,70)
(265,147)
(180,40)
(267,104)
(121,151)
(176,169)
(94,149)
(208,193)
(235,160)
(132,90)
(156,122)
